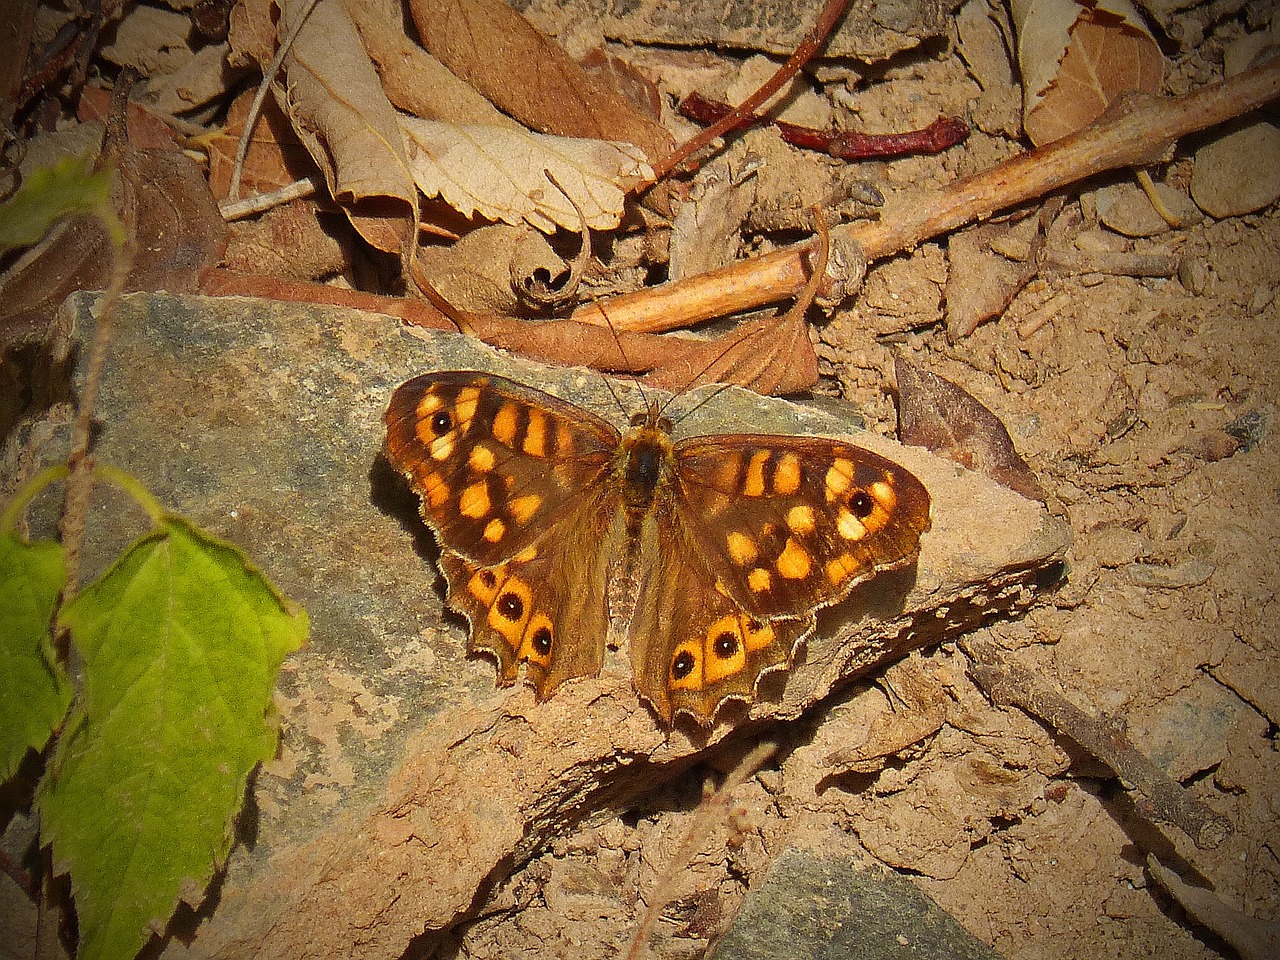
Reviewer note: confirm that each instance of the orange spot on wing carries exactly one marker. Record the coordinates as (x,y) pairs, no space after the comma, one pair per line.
(793,563)
(786,475)
(504,424)
(742,549)
(754,483)
(474,502)
(535,434)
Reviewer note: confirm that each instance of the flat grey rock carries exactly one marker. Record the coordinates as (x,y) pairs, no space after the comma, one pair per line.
(817,906)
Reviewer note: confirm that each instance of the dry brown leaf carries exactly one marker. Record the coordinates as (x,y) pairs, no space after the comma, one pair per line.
(164,203)
(936,414)
(275,157)
(1077,58)
(498,52)
(252,34)
(335,102)
(296,240)
(981,282)
(15,44)
(497,172)
(415,81)
(669,362)
(773,356)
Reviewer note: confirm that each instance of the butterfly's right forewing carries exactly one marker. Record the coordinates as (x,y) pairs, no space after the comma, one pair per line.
(496,464)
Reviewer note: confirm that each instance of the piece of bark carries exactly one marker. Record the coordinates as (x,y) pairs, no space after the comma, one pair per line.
(867,33)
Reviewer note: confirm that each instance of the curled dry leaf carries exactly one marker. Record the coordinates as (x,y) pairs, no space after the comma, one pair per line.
(497,172)
(478,273)
(788,365)
(1076,58)
(334,100)
(939,416)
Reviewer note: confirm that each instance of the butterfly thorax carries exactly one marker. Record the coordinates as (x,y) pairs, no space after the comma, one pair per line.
(644,462)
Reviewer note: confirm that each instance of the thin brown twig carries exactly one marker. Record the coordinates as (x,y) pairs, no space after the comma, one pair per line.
(75,509)
(268,77)
(831,13)
(943,133)
(1165,800)
(700,825)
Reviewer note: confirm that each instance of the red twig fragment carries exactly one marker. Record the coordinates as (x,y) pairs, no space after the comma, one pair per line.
(843,145)
(832,11)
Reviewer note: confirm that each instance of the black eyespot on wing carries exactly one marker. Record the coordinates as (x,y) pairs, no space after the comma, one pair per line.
(862,504)
(682,665)
(511,607)
(725,645)
(542,641)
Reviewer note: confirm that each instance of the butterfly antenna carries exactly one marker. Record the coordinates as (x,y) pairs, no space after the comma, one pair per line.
(575,278)
(626,363)
(822,251)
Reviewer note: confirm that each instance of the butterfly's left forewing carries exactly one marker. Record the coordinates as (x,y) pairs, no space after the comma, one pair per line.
(791,524)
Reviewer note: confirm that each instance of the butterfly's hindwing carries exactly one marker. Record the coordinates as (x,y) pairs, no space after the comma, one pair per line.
(516,619)
(692,646)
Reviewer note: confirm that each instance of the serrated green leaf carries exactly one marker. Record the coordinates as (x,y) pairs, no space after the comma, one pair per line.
(51,194)
(182,641)
(34,692)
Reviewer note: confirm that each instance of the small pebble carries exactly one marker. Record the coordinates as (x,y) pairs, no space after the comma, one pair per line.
(1238,173)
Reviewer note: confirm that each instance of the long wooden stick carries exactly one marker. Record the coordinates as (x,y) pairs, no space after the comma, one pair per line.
(1134,132)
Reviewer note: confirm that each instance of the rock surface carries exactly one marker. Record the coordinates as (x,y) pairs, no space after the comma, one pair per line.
(407,782)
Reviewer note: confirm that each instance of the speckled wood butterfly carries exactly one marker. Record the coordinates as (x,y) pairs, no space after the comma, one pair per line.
(708,555)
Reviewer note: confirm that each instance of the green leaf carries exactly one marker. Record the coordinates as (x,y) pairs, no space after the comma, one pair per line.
(182,641)
(34,692)
(49,195)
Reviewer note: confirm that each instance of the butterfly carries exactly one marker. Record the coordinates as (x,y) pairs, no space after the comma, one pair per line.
(561,535)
